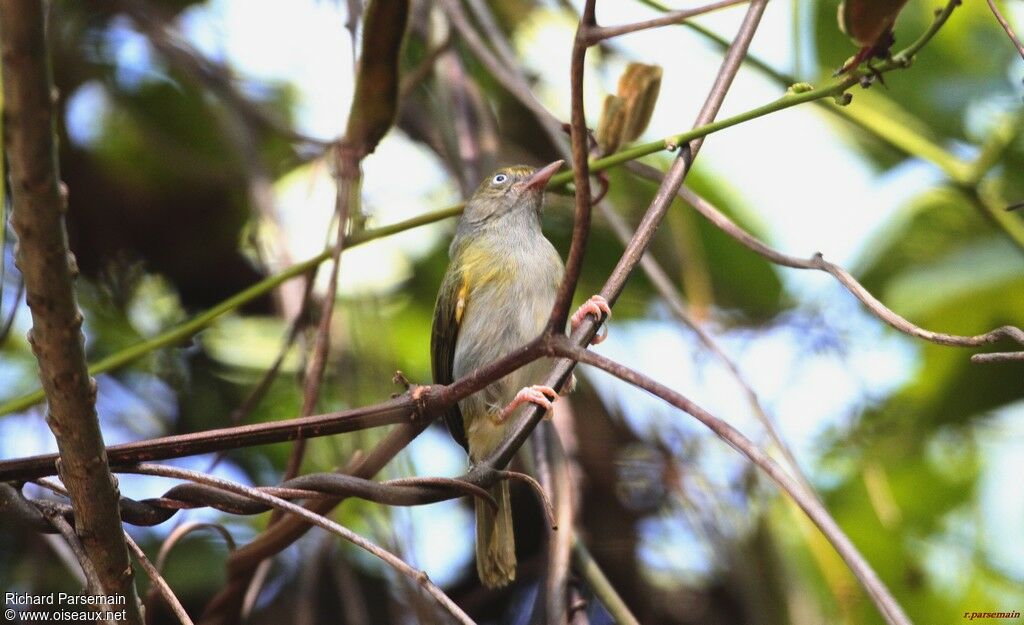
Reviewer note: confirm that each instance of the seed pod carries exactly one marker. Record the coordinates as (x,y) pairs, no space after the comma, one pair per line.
(868,22)
(625,116)
(639,87)
(609,128)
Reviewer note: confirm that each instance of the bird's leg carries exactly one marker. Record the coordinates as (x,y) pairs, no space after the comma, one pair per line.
(596,306)
(536,394)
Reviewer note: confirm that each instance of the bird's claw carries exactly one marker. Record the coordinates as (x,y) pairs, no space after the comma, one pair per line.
(537,394)
(597,306)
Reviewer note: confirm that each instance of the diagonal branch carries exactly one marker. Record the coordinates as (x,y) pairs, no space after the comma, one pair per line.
(1006,27)
(887,605)
(182,332)
(48,269)
(644,233)
(817,262)
(661,281)
(159,583)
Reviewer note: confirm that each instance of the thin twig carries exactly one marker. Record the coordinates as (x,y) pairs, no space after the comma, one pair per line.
(8,322)
(417,75)
(177,534)
(874,586)
(159,582)
(348,193)
(180,333)
(419,577)
(93,582)
(659,278)
(508,78)
(600,33)
(1006,26)
(818,262)
(256,395)
(580,174)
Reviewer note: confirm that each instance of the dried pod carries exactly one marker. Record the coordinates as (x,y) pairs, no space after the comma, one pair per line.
(609,128)
(625,116)
(869,24)
(639,87)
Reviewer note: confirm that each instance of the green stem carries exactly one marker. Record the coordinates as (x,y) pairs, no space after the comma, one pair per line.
(180,333)
(899,136)
(587,567)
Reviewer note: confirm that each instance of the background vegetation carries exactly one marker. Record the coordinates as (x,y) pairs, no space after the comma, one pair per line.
(183,172)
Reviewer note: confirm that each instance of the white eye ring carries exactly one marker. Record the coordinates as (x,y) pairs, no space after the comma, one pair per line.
(499,179)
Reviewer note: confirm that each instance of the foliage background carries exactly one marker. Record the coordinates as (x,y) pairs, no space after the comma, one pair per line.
(916,451)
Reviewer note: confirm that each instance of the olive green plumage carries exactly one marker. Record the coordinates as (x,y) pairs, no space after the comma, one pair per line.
(496,296)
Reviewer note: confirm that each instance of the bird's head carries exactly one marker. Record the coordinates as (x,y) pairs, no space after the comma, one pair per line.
(508,189)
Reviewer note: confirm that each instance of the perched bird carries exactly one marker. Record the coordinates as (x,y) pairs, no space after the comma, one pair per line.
(869,24)
(497,296)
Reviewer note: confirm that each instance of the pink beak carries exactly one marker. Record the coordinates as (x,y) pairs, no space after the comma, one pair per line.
(540,178)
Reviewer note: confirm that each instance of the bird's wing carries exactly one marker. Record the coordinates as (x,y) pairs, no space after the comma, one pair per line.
(451,302)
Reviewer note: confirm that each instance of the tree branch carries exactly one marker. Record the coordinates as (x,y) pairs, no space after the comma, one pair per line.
(809,503)
(600,33)
(159,583)
(400,410)
(49,270)
(1006,27)
(181,333)
(417,576)
(722,222)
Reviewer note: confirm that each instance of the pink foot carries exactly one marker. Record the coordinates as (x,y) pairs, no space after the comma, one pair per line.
(536,394)
(596,306)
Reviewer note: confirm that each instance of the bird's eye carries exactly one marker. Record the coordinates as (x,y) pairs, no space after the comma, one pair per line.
(499,179)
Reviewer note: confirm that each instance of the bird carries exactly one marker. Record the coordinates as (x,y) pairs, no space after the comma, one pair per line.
(497,295)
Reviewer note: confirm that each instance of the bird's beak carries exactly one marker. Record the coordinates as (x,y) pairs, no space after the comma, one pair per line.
(540,178)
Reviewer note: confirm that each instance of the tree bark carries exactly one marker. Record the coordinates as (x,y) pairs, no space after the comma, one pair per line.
(48,270)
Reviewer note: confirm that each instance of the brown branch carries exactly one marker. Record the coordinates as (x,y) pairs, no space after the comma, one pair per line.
(418,74)
(93,583)
(48,270)
(665,287)
(600,33)
(159,583)
(818,262)
(508,78)
(580,136)
(809,503)
(371,114)
(348,187)
(400,410)
(243,562)
(417,576)
(645,232)
(1006,26)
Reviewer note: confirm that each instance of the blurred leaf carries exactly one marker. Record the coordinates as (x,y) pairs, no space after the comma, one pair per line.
(933,226)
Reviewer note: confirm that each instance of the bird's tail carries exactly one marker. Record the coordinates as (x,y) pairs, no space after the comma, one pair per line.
(495,542)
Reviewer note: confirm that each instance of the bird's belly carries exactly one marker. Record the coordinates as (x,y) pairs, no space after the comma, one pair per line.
(499,318)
